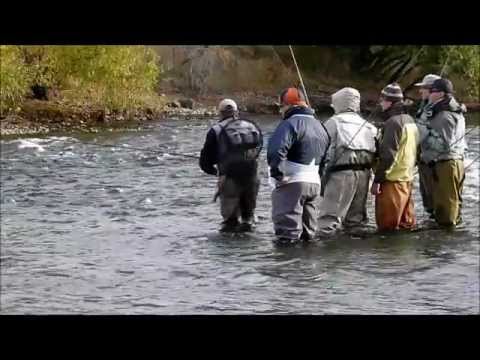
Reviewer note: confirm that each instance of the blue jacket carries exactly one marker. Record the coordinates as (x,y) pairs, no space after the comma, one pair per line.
(299,138)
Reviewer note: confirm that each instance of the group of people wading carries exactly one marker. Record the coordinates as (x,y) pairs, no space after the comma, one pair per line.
(321,173)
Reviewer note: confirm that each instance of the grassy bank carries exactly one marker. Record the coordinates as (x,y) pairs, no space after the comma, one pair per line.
(115,77)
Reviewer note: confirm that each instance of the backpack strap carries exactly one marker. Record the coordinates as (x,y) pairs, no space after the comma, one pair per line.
(261,136)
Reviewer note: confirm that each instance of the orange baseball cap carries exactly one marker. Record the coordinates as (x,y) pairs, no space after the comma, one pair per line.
(292,96)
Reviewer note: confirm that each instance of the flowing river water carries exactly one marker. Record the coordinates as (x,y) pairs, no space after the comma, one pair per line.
(89,229)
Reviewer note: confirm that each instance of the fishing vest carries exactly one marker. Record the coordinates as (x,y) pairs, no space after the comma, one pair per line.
(239,144)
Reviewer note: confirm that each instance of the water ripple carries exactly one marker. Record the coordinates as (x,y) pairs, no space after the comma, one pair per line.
(94,230)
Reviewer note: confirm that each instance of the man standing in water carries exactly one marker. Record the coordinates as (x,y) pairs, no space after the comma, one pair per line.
(444,148)
(233,145)
(296,150)
(424,171)
(392,185)
(348,166)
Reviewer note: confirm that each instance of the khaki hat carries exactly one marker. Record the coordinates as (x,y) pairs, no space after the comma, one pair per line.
(227,105)
(428,80)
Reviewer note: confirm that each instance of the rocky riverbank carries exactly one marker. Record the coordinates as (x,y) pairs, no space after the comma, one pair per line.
(43,117)
(39,117)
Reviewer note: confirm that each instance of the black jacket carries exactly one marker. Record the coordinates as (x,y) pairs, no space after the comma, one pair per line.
(211,153)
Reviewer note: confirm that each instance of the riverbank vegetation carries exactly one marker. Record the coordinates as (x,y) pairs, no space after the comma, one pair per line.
(121,82)
(116,77)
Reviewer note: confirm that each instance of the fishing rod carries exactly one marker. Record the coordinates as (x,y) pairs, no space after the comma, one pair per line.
(144,150)
(308,103)
(444,67)
(459,139)
(478,157)
(299,75)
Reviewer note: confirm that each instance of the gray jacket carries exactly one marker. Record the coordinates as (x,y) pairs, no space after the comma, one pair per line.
(445,137)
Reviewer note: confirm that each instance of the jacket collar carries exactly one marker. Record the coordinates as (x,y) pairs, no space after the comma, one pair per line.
(397,108)
(297,110)
(227,118)
(448,103)
(422,107)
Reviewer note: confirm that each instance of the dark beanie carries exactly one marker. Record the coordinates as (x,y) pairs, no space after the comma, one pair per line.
(392,92)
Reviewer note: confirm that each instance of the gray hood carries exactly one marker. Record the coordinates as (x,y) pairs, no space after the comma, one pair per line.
(346,99)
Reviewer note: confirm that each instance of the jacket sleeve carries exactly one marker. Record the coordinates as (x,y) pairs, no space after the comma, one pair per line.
(278,146)
(208,155)
(388,148)
(331,127)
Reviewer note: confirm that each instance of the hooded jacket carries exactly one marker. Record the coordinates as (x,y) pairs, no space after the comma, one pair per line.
(352,138)
(398,146)
(445,137)
(298,147)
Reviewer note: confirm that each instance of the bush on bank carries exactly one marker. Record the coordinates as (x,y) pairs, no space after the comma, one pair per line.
(117,77)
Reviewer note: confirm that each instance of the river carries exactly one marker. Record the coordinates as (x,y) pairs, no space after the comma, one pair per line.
(89,229)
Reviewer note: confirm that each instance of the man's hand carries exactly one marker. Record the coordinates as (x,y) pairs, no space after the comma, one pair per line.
(279,177)
(283,181)
(376,189)
(220,183)
(276,174)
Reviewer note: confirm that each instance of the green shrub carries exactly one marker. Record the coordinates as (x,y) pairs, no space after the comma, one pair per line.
(14,78)
(119,77)
(465,61)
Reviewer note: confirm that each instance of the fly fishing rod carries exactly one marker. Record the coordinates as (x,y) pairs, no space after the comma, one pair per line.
(308,103)
(466,167)
(299,74)
(144,150)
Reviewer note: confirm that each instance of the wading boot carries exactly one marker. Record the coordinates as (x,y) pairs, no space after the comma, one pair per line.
(230,226)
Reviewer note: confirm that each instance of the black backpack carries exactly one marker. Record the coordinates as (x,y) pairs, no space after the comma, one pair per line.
(240,144)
